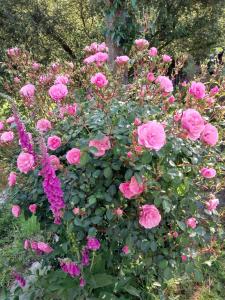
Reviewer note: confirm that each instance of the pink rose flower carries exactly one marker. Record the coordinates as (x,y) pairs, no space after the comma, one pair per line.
(129,154)
(28,91)
(141,44)
(137,122)
(76,210)
(89,60)
(177,116)
(209,135)
(93,243)
(101,58)
(212,204)
(16,211)
(131,188)
(63,79)
(149,216)
(73,156)
(7,137)
(197,90)
(71,109)
(43,125)
(122,60)
(54,142)
(191,222)
(25,162)
(150,76)
(58,92)
(34,245)
(99,80)
(82,282)
(171,99)
(183,258)
(214,90)
(125,249)
(55,162)
(33,208)
(193,123)
(26,244)
(118,211)
(166,84)
(12,179)
(166,58)
(153,52)
(208,172)
(175,234)
(152,135)
(101,145)
(10,120)
(1,125)
(35,66)
(44,247)
(13,52)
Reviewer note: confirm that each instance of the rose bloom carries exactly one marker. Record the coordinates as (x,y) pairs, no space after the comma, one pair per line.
(118,211)
(93,243)
(43,125)
(141,44)
(183,258)
(82,282)
(76,210)
(58,92)
(137,122)
(10,120)
(171,99)
(153,52)
(191,222)
(122,60)
(54,142)
(101,145)
(89,60)
(27,91)
(70,109)
(1,125)
(99,80)
(16,211)
(152,135)
(33,208)
(13,52)
(12,179)
(214,90)
(212,204)
(55,162)
(150,77)
(7,137)
(101,58)
(73,156)
(209,135)
(34,245)
(166,58)
(177,116)
(193,123)
(25,162)
(44,247)
(63,79)
(197,90)
(132,188)
(208,172)
(165,83)
(149,216)
(35,66)
(125,249)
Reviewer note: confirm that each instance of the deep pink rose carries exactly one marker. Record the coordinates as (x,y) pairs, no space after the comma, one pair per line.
(73,156)
(54,142)
(214,90)
(16,211)
(191,222)
(58,92)
(153,52)
(25,162)
(43,125)
(99,80)
(208,172)
(171,99)
(212,204)
(7,137)
(44,247)
(150,76)
(166,58)
(63,79)
(149,216)
(82,282)
(129,154)
(122,60)
(28,91)
(93,243)
(131,188)
(209,135)
(33,208)
(183,258)
(34,245)
(197,90)
(55,162)
(166,84)
(101,145)
(71,109)
(141,44)
(152,135)
(12,179)
(193,123)
(125,249)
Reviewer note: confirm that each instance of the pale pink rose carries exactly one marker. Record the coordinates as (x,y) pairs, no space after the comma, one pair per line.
(197,90)
(152,135)
(101,58)
(215,90)
(102,47)
(118,211)
(55,162)
(137,122)
(177,116)
(10,120)
(122,60)
(149,216)
(175,234)
(183,258)
(212,204)
(129,154)
(43,125)
(166,58)
(150,76)
(44,247)
(73,156)
(26,244)
(28,91)
(13,52)
(1,125)
(54,142)
(209,135)
(89,60)
(191,222)
(35,66)
(101,145)
(63,79)
(7,137)
(16,80)
(76,210)
(99,80)
(193,123)
(126,249)
(208,172)
(33,208)
(131,188)
(58,92)
(153,52)
(141,44)
(166,84)
(171,99)
(16,211)
(25,162)
(12,179)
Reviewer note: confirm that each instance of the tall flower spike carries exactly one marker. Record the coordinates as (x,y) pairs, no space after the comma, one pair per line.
(51,185)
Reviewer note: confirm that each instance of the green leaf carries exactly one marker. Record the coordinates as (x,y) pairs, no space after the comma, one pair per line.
(166,206)
(108,172)
(198,276)
(132,291)
(101,280)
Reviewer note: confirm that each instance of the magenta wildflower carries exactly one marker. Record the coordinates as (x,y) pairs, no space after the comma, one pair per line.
(20,280)
(71,268)
(93,243)
(85,257)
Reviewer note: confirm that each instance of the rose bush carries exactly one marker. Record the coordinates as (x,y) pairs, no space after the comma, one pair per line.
(115,174)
